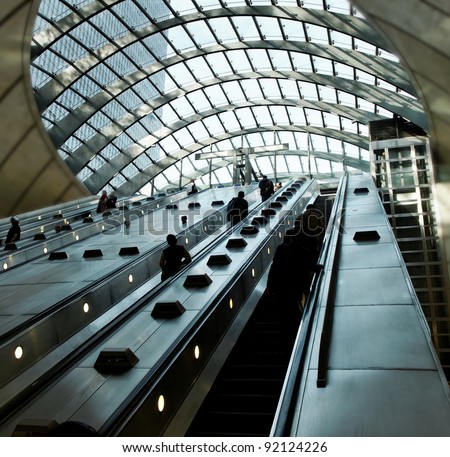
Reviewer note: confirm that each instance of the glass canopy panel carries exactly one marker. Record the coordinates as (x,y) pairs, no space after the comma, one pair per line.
(224,29)
(246,28)
(182,6)
(180,39)
(199,68)
(183,137)
(123,18)
(269,28)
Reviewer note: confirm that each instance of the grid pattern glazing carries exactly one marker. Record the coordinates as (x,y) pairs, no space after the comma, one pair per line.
(122,85)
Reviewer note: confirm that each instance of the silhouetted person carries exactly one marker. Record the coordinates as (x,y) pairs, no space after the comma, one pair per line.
(111,201)
(191,188)
(173,258)
(290,278)
(313,226)
(266,188)
(13,234)
(237,209)
(278,186)
(101,206)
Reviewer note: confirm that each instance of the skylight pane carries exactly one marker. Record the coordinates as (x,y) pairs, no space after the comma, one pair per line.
(317,34)
(183,136)
(181,74)
(169,145)
(234,92)
(201,33)
(280,60)
(216,93)
(314,4)
(229,121)
(199,68)
(262,116)
(314,117)
(341,40)
(331,121)
(219,64)
(269,28)
(279,114)
(289,88)
(271,88)
(239,61)
(198,131)
(180,39)
(182,107)
(328,94)
(252,89)
(323,66)
(246,28)
(297,116)
(292,30)
(182,6)
(199,100)
(213,125)
(223,29)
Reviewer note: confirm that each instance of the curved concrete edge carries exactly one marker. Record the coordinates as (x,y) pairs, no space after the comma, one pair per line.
(32,175)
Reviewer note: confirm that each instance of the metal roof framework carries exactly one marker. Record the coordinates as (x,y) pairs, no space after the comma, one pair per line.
(131,90)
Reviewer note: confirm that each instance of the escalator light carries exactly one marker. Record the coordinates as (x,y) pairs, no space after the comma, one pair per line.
(161,402)
(18,353)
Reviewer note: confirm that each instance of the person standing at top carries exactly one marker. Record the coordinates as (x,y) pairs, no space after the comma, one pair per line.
(13,234)
(191,188)
(278,186)
(173,258)
(266,188)
(111,201)
(101,207)
(237,209)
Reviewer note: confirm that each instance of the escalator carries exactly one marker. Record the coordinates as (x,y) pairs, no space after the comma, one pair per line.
(244,396)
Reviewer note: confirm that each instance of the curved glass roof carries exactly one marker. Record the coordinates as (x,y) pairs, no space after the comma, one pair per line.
(133,92)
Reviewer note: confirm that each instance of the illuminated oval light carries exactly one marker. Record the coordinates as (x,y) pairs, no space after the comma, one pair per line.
(186,241)
(42,229)
(197,352)
(45,250)
(157,205)
(279,234)
(130,279)
(231,303)
(253,272)
(268,250)
(18,352)
(39,218)
(103,227)
(289,222)
(161,403)
(142,211)
(5,266)
(86,307)
(77,237)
